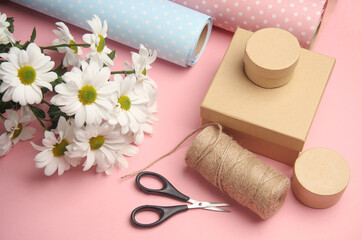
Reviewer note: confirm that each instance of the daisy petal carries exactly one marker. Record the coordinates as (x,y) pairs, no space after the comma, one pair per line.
(50,168)
(89,161)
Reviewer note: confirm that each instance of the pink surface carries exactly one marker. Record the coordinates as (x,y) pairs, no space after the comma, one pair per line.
(300,17)
(86,205)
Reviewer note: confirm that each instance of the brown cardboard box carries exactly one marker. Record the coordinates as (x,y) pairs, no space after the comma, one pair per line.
(272,122)
(320,177)
(271,55)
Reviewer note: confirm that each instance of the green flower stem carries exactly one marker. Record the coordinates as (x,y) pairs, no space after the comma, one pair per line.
(40,121)
(124,72)
(2,117)
(65,45)
(43,101)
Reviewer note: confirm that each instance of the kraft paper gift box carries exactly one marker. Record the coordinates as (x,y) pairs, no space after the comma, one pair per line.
(273,122)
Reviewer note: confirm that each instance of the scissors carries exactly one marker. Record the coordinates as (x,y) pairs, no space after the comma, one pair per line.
(168,190)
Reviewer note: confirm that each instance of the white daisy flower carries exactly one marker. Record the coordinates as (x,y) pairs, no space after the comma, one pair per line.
(143,83)
(149,55)
(146,127)
(5,143)
(5,34)
(17,126)
(99,51)
(131,109)
(126,149)
(71,57)
(141,63)
(24,74)
(99,144)
(3,22)
(86,94)
(53,155)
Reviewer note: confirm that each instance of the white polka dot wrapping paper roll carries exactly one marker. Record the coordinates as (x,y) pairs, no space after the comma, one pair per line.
(300,17)
(179,34)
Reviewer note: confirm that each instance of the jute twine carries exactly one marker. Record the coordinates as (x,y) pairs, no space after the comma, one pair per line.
(237,172)
(234,170)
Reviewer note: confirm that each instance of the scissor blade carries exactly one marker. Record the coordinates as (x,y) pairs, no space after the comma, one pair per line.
(215,204)
(216,209)
(208,205)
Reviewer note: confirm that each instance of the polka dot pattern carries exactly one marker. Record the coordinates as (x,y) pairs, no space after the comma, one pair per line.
(300,17)
(171,29)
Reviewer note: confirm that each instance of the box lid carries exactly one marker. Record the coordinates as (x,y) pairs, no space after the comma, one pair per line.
(271,55)
(279,115)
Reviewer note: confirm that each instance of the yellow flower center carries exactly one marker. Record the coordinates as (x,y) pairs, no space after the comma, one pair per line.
(27,75)
(75,48)
(17,131)
(87,95)
(125,102)
(101,44)
(144,72)
(96,142)
(60,148)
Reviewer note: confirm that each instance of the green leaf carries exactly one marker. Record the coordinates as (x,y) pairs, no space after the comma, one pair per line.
(7,105)
(55,113)
(60,70)
(44,90)
(18,45)
(16,106)
(39,112)
(4,48)
(11,26)
(25,45)
(112,55)
(33,35)
(57,81)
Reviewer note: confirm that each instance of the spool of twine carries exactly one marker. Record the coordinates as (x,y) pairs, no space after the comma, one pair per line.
(237,172)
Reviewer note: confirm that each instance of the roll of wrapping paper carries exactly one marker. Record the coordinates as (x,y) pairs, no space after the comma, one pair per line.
(300,17)
(179,34)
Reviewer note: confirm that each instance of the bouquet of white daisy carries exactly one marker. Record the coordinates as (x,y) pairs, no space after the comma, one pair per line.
(94,117)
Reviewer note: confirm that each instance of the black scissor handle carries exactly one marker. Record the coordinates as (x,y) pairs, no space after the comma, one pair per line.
(163,212)
(166,190)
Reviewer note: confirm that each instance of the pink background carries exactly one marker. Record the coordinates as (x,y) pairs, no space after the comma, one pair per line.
(86,205)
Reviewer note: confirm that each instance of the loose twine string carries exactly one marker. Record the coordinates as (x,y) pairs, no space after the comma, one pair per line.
(234,170)
(173,150)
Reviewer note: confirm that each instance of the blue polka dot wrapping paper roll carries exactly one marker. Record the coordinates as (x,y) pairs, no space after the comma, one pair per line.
(177,33)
